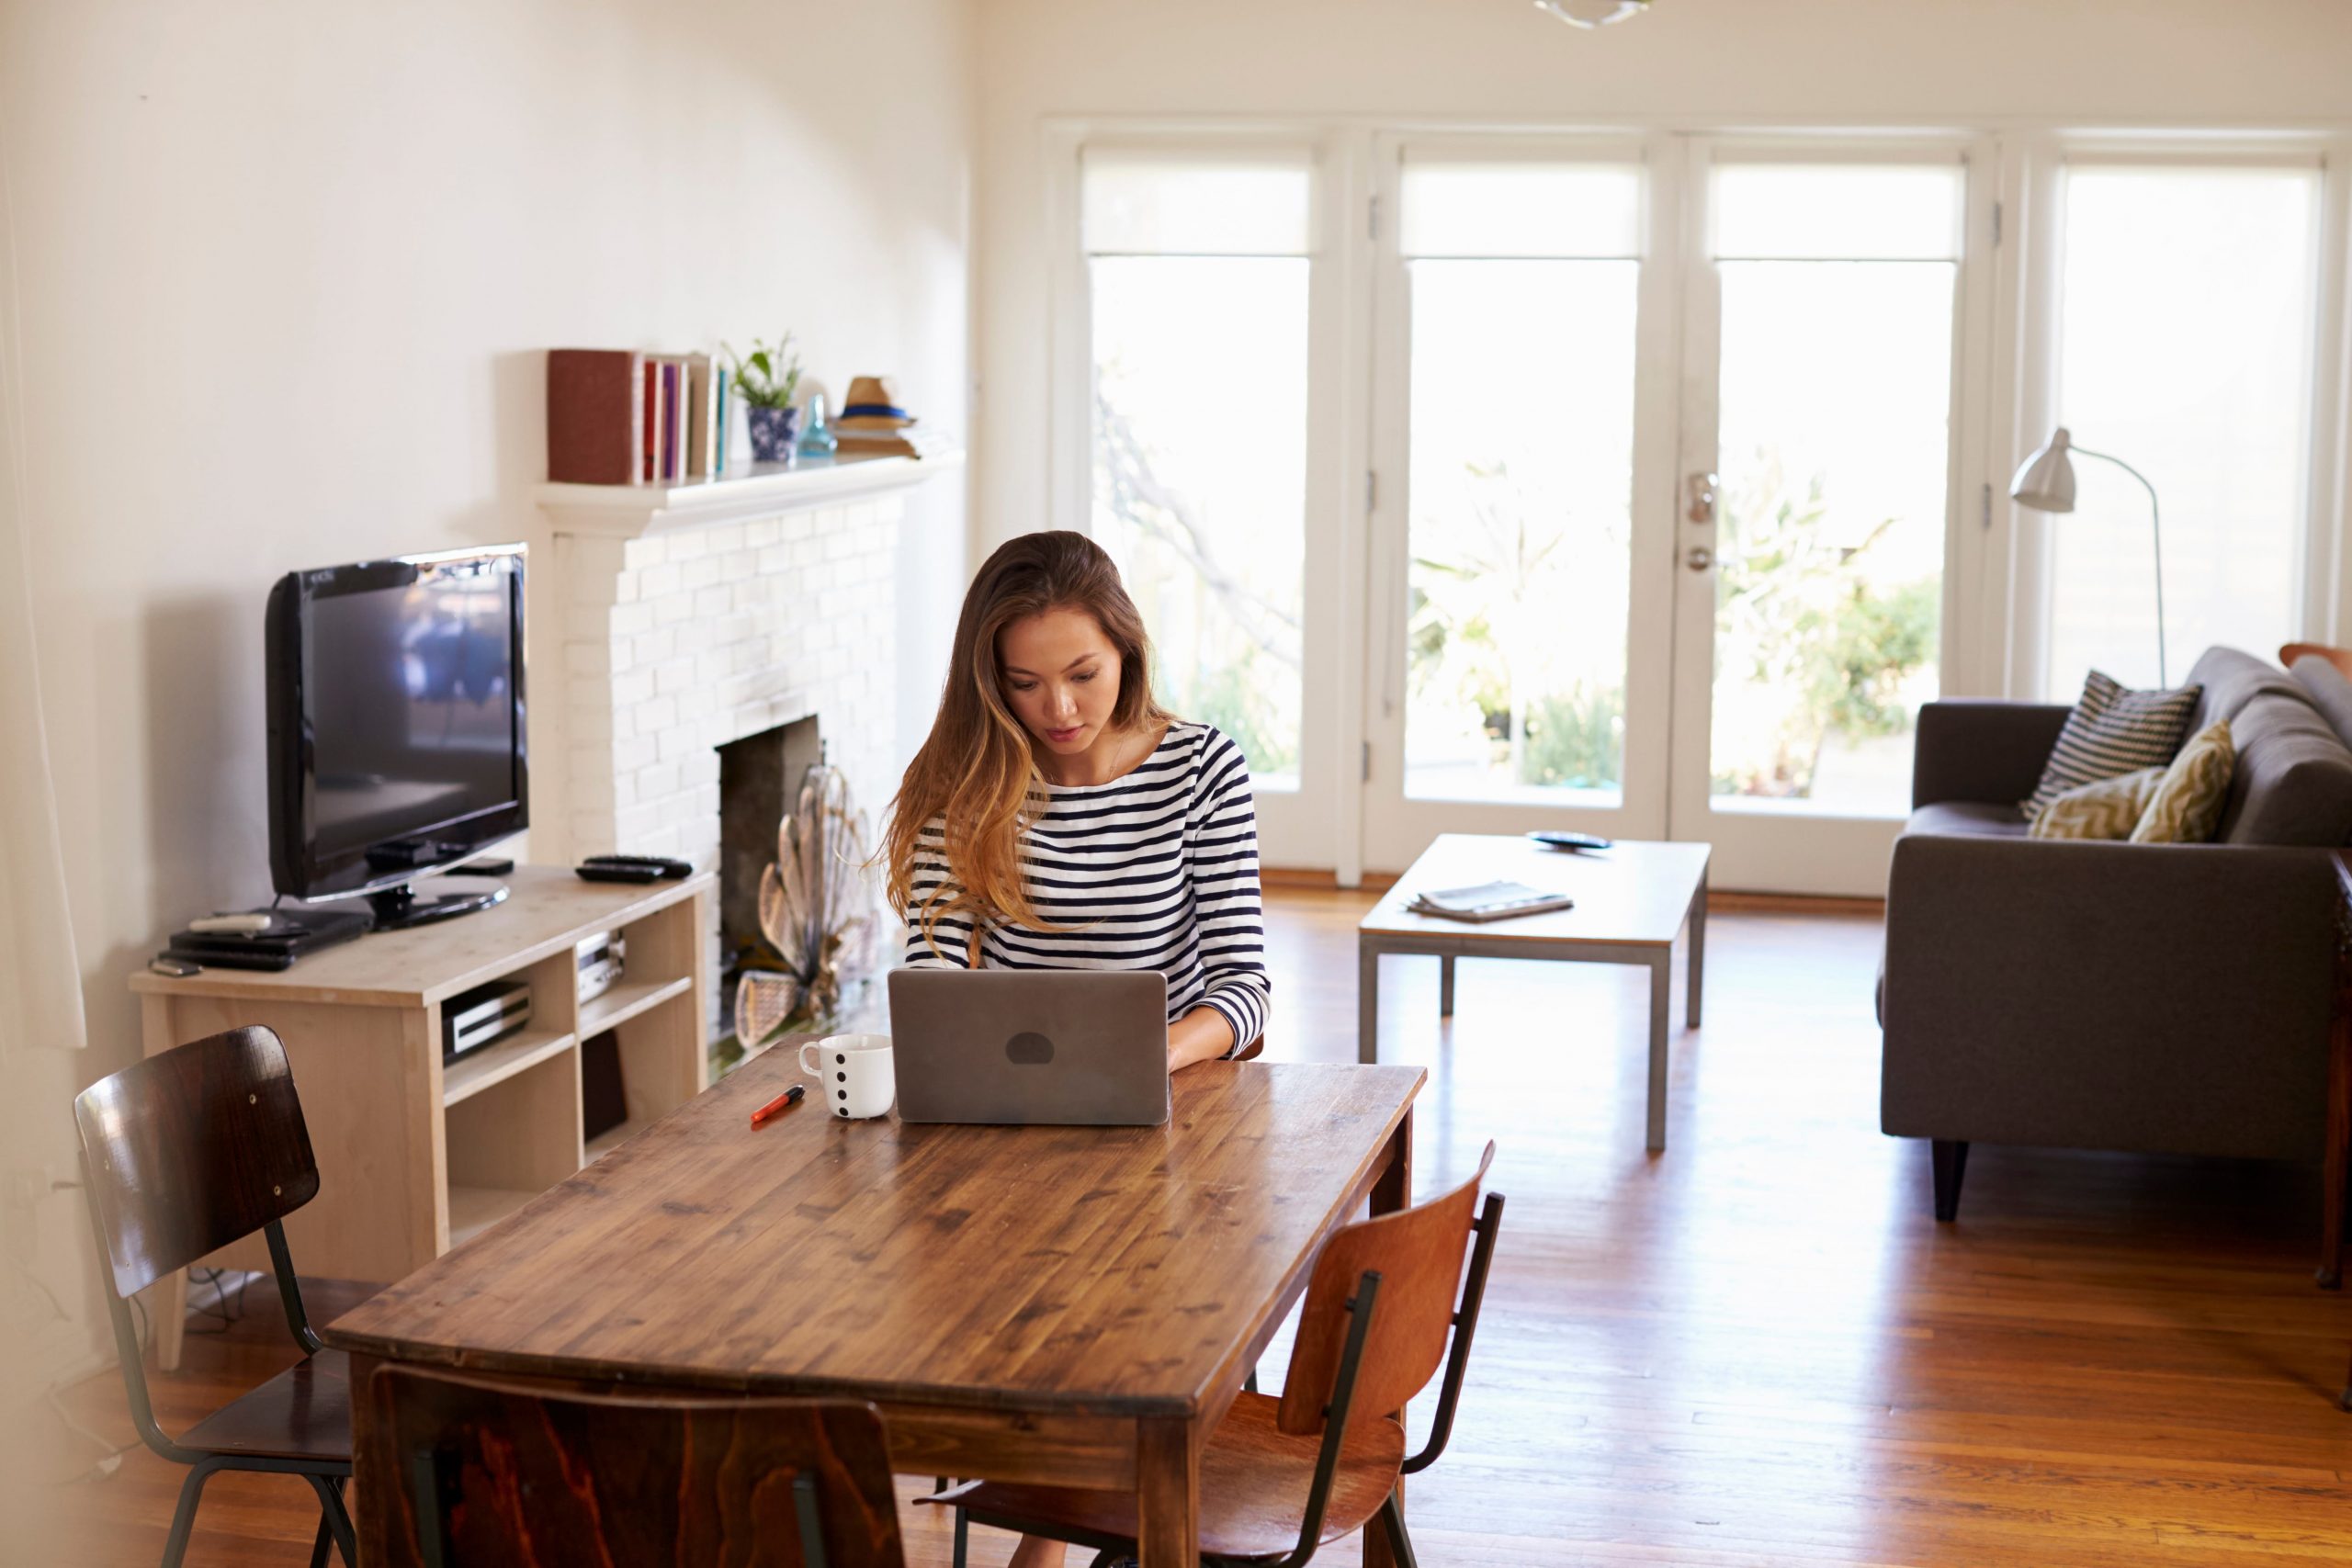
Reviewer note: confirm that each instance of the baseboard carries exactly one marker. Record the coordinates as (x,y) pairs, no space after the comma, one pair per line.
(1312,879)
(1721,901)
(1309,879)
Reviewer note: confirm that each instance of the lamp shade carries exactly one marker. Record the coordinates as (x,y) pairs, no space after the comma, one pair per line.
(2046,481)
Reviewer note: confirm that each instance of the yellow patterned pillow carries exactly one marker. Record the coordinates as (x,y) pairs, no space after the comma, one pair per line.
(2187,804)
(2103,808)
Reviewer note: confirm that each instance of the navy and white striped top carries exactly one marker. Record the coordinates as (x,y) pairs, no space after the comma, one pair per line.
(1156,869)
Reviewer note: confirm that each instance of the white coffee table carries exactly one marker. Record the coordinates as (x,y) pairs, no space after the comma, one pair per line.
(1632,900)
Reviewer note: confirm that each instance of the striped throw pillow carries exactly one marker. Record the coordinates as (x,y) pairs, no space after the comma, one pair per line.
(2112,730)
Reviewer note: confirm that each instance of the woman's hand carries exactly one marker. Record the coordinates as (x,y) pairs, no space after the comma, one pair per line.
(1200,1035)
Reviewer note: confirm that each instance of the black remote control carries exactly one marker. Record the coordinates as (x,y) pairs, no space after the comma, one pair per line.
(632,868)
(1571,841)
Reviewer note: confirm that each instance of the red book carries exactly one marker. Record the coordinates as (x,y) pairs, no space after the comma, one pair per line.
(593,415)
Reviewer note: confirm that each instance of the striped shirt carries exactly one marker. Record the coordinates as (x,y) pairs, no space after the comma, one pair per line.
(1156,869)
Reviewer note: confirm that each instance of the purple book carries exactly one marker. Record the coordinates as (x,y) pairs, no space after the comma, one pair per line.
(672,409)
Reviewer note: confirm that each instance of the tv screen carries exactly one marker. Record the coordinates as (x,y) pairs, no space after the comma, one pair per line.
(397,718)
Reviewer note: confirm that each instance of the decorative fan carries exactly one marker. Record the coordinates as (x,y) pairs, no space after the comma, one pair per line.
(1592,12)
(816,912)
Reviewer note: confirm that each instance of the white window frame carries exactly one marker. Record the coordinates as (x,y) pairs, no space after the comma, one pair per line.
(1997,578)
(1301,827)
(2030,326)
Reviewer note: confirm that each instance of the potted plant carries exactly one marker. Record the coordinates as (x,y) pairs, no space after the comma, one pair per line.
(765,379)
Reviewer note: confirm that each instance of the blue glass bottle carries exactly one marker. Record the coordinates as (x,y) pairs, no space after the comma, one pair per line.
(818,440)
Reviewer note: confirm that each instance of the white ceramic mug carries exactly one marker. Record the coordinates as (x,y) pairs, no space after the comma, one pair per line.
(854,1072)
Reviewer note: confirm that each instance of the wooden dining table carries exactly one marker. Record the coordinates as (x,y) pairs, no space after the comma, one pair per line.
(1066,1305)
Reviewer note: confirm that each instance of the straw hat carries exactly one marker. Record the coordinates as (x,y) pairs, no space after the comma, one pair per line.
(873,399)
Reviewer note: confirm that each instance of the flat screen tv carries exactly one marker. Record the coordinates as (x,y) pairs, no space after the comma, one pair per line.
(397,741)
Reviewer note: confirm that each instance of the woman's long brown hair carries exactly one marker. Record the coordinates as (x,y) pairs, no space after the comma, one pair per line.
(977,768)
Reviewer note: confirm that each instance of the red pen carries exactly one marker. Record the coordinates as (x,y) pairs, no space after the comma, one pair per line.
(780,1104)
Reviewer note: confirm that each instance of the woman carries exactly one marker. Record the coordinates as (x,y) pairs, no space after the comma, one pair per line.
(1058,818)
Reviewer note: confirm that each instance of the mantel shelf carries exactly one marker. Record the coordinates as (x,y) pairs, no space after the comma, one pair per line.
(628,511)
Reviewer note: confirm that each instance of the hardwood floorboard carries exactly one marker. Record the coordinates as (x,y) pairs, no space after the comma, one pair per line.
(1756,1349)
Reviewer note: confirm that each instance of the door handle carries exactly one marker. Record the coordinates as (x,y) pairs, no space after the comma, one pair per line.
(1699,557)
(1701,489)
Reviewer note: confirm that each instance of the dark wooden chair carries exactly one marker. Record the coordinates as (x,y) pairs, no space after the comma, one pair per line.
(184,1154)
(487,1474)
(1284,1475)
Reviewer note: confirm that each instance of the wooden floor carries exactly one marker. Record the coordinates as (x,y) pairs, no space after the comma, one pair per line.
(1757,1348)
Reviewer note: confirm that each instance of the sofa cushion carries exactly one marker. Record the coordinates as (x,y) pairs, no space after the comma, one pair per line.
(1972,816)
(2330,692)
(2227,679)
(2293,782)
(2113,730)
(2103,808)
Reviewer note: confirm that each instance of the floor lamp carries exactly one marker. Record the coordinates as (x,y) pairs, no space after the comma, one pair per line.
(2046,483)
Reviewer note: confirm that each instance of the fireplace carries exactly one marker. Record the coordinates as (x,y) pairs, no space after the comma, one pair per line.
(759,781)
(696,653)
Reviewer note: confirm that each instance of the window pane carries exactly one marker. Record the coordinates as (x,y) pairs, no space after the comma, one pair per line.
(1837,212)
(1141,203)
(1834,442)
(1521,210)
(1200,482)
(1521,453)
(2184,350)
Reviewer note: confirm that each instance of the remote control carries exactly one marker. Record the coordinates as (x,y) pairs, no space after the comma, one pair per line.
(617,872)
(1562,841)
(639,868)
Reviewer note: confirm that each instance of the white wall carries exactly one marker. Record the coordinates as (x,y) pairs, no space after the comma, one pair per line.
(1961,62)
(285,270)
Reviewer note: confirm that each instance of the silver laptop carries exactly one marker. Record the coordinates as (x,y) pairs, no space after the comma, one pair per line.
(1067,1047)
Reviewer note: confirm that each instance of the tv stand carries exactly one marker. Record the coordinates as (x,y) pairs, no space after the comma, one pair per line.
(416,1154)
(397,908)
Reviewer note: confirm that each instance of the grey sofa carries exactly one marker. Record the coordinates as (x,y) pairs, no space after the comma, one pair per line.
(2156,998)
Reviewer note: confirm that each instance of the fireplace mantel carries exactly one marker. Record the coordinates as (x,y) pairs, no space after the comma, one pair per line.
(766,489)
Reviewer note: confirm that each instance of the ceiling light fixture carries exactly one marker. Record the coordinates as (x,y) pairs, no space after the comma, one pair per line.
(1592,12)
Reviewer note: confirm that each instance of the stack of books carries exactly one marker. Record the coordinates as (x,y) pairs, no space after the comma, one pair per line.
(617,417)
(1489,901)
(872,425)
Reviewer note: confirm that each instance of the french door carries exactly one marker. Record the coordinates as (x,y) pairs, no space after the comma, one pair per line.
(1669,468)
(1660,450)
(1831,341)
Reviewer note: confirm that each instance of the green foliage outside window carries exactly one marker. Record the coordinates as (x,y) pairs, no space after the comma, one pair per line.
(1801,625)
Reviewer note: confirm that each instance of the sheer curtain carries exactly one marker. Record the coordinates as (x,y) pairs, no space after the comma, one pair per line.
(40,992)
(47,1316)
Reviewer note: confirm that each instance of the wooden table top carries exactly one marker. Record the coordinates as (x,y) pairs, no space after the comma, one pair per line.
(1102,1270)
(547,909)
(1633,893)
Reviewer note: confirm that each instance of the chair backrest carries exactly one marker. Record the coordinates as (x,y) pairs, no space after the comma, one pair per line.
(190,1150)
(2339,657)
(1418,1254)
(488,1474)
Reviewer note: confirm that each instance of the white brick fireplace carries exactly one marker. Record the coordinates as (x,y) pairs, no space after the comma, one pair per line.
(690,617)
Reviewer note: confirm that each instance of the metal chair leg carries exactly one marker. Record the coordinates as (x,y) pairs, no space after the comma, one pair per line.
(1250,1383)
(184,1515)
(319,1544)
(939,1483)
(1400,1545)
(963,1536)
(334,1517)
